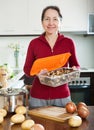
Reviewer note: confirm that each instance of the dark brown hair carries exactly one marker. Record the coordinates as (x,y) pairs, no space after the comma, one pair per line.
(51,7)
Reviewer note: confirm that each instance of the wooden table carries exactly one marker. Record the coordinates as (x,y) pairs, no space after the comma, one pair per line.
(87,124)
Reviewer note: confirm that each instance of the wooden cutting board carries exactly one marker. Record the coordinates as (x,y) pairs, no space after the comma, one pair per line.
(52,113)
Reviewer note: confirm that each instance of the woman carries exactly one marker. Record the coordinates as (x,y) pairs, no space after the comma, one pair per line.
(50,43)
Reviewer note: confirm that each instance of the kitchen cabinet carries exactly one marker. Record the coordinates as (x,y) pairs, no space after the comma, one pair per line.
(74,14)
(91,23)
(13,17)
(24,16)
(90,6)
(90,26)
(35,8)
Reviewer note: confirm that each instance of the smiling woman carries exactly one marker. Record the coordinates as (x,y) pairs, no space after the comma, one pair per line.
(51,20)
(50,43)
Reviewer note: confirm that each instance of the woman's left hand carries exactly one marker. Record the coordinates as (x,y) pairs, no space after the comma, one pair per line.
(42,72)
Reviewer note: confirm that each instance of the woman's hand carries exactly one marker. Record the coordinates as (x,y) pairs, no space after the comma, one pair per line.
(75,67)
(42,72)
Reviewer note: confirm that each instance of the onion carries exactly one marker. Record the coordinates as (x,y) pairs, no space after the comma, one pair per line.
(71,107)
(81,104)
(37,127)
(83,112)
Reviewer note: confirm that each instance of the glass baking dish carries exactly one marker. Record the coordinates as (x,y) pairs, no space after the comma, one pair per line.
(59,76)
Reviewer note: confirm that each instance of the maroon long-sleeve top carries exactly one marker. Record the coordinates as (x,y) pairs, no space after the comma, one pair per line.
(39,48)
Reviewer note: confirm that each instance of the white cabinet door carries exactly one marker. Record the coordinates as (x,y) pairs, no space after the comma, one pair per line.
(90,6)
(24,16)
(35,11)
(13,17)
(74,14)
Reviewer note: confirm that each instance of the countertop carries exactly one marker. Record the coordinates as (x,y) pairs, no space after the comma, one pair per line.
(87,69)
(16,82)
(88,124)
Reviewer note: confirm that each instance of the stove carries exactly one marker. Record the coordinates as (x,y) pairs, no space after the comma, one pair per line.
(80,90)
(82,82)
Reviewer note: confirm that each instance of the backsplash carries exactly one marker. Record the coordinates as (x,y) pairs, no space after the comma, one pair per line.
(84,48)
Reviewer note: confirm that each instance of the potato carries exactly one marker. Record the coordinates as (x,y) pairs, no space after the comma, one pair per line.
(3,112)
(75,121)
(27,124)
(21,110)
(17,118)
(1,119)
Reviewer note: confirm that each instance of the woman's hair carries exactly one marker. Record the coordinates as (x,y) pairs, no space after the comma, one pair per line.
(51,7)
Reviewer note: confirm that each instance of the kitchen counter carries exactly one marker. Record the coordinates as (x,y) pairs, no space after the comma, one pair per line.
(87,70)
(87,124)
(16,82)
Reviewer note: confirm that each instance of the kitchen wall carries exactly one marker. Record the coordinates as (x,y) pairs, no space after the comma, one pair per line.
(84,48)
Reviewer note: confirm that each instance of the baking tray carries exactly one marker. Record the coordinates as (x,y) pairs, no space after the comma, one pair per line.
(59,77)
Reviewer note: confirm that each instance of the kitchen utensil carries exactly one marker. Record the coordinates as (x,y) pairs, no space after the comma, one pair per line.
(13,97)
(52,113)
(59,76)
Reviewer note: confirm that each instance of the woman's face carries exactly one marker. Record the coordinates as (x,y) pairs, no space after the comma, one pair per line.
(51,21)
